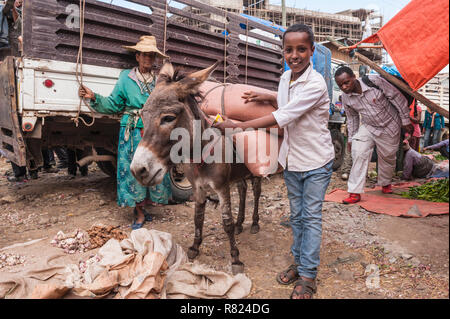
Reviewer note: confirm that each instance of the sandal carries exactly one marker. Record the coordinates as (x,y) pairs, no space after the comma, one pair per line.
(136,226)
(285,274)
(148,217)
(308,288)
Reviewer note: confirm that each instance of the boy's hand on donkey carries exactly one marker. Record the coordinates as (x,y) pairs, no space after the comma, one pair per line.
(252,96)
(225,124)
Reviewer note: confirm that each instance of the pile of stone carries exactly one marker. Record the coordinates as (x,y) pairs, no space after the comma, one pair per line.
(8,260)
(76,241)
(99,234)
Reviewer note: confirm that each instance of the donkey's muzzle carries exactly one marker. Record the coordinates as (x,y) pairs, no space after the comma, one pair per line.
(146,168)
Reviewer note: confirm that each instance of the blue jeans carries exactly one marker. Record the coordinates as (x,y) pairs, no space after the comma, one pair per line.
(306,192)
(426,138)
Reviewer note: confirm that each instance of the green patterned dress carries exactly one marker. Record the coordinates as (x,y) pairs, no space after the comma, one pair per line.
(128,97)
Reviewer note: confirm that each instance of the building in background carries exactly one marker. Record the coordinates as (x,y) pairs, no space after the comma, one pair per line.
(349,27)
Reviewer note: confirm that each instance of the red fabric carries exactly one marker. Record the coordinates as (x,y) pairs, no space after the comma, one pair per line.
(373,200)
(417,39)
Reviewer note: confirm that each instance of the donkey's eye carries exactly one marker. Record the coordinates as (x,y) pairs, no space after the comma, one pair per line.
(168,119)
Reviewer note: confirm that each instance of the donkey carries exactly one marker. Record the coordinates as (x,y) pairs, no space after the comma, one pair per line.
(173,104)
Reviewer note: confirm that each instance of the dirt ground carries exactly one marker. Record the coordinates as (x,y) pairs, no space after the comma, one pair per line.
(412,255)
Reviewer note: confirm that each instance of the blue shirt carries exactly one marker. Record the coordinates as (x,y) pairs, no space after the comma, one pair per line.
(438,121)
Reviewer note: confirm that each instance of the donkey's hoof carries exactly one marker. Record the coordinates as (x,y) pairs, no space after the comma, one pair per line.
(192,253)
(254,229)
(237,268)
(238,229)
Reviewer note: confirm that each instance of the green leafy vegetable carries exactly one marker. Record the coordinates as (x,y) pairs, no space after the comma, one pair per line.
(434,191)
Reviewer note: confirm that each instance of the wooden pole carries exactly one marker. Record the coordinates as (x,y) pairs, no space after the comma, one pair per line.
(363,47)
(283,9)
(392,79)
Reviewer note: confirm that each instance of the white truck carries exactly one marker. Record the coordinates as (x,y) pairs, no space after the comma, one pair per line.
(39,103)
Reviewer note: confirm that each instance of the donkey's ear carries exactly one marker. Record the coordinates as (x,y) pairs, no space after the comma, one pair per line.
(191,83)
(166,73)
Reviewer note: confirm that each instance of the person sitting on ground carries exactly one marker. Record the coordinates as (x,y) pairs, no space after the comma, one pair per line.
(418,166)
(442,147)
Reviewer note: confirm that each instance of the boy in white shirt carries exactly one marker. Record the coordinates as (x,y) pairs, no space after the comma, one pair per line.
(306,154)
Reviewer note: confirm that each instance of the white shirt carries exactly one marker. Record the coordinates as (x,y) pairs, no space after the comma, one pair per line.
(303,114)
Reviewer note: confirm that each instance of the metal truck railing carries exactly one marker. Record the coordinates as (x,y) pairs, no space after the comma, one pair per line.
(194,37)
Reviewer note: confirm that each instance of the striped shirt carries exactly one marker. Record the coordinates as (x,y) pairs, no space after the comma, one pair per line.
(382,112)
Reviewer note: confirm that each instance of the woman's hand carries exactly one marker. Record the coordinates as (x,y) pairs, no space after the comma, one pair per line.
(251,96)
(86,93)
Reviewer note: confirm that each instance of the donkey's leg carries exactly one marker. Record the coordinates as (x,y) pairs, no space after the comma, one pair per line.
(242,189)
(256,185)
(200,204)
(225,202)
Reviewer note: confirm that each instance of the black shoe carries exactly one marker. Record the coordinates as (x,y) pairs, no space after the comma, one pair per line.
(33,174)
(84,171)
(71,170)
(51,170)
(62,165)
(14,179)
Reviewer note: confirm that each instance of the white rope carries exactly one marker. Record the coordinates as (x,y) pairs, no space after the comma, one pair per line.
(79,69)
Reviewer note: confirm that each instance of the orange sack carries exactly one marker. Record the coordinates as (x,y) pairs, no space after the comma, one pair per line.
(230,95)
(258,150)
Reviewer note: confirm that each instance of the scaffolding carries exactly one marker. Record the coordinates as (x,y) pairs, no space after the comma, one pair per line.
(347,24)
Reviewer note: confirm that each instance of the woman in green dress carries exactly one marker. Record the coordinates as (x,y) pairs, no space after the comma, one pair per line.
(128,97)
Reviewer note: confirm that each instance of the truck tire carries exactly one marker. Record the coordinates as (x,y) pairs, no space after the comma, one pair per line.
(181,187)
(106,167)
(339,148)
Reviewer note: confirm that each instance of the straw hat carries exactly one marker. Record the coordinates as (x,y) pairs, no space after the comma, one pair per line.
(146,43)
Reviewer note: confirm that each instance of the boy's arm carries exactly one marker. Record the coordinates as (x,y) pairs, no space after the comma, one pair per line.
(307,99)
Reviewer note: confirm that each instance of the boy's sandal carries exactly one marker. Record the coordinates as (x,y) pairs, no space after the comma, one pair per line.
(288,274)
(309,288)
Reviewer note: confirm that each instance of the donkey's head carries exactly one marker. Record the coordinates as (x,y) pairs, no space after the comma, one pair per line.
(171,105)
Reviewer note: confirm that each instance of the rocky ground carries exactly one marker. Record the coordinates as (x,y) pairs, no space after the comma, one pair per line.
(364,255)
